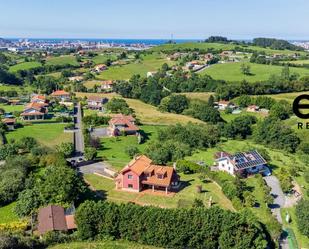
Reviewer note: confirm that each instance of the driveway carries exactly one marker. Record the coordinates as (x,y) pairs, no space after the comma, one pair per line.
(78,135)
(279,202)
(100,132)
(96,167)
(277,193)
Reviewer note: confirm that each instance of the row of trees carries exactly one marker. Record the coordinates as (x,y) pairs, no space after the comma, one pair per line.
(176,141)
(175,228)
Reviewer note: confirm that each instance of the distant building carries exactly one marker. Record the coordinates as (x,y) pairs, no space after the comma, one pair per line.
(107,85)
(95,102)
(41,99)
(76,78)
(34,111)
(10,123)
(253,108)
(122,123)
(151,74)
(53,218)
(99,68)
(141,173)
(61,95)
(223,105)
(242,163)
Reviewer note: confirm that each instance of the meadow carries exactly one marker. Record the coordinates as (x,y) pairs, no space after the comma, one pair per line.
(231,72)
(7,213)
(219,46)
(48,134)
(102,58)
(62,60)
(12,108)
(24,66)
(113,148)
(184,197)
(146,113)
(148,63)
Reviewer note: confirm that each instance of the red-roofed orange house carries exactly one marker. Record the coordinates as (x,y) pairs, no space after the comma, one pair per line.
(122,123)
(141,174)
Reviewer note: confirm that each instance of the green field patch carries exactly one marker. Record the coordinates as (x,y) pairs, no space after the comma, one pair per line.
(7,213)
(25,66)
(48,134)
(259,72)
(62,60)
(113,148)
(148,63)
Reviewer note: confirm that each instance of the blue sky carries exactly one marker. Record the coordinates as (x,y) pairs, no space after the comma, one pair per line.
(154,19)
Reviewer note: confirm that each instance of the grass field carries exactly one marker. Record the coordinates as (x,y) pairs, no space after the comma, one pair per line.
(12,108)
(187,194)
(149,63)
(146,113)
(102,58)
(62,60)
(299,62)
(198,95)
(113,149)
(286,96)
(218,46)
(18,89)
(231,72)
(303,241)
(7,214)
(48,134)
(149,114)
(25,66)
(106,244)
(229,117)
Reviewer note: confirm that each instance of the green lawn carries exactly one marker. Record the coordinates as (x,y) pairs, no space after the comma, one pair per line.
(12,108)
(7,214)
(186,195)
(102,58)
(229,117)
(62,60)
(219,46)
(116,244)
(299,62)
(48,134)
(231,72)
(25,66)
(149,63)
(114,148)
(286,96)
(18,89)
(303,241)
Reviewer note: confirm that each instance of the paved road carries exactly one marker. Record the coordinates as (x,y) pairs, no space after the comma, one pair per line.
(78,135)
(279,202)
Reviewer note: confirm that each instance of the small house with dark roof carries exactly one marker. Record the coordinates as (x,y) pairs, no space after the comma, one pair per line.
(243,163)
(141,173)
(53,218)
(122,123)
(10,123)
(96,102)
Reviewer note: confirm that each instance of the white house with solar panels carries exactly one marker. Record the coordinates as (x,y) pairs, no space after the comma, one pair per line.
(243,163)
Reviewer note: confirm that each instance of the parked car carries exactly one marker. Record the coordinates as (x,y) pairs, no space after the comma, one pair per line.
(266,172)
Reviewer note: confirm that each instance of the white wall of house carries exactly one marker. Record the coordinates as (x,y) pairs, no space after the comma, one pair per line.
(226,165)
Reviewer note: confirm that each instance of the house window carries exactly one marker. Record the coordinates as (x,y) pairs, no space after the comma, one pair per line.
(130,185)
(130,177)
